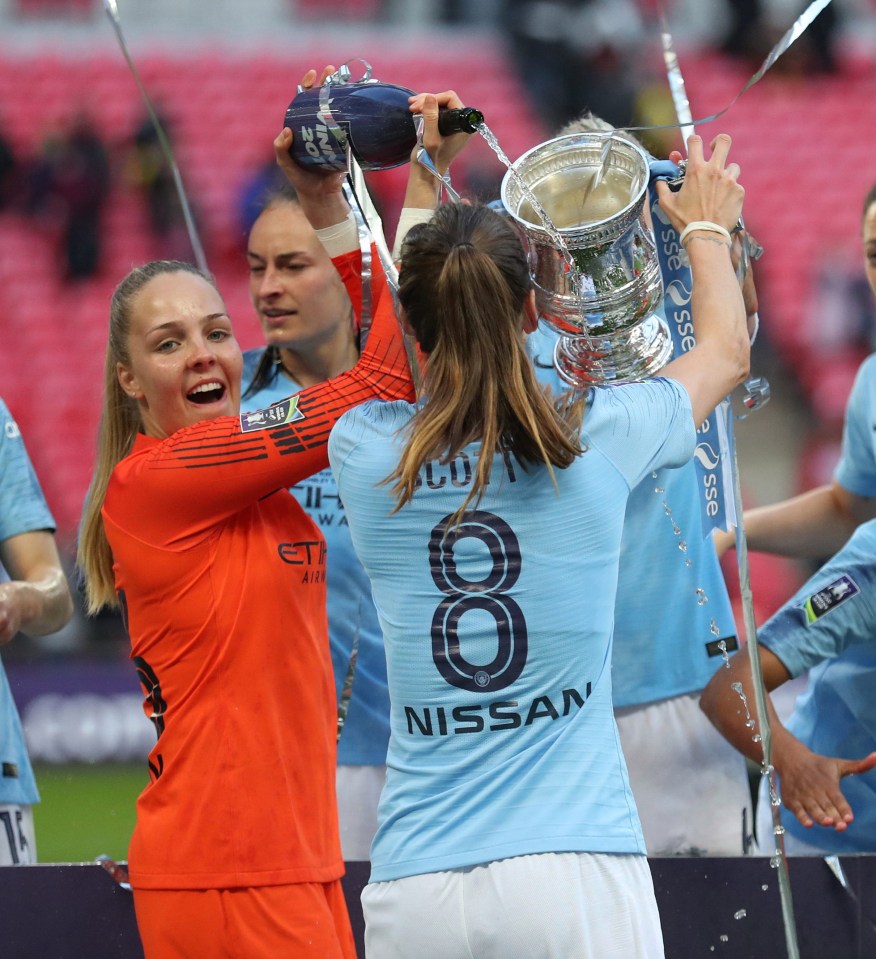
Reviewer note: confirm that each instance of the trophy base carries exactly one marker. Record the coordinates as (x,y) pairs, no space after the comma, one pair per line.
(626,357)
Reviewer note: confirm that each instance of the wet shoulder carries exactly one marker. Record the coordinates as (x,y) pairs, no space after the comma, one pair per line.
(625,407)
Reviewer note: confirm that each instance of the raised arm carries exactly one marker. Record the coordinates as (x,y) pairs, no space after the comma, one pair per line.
(817,523)
(809,782)
(710,193)
(813,525)
(37,599)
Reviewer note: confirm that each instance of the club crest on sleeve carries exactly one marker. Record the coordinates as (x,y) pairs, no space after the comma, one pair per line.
(830,597)
(286,411)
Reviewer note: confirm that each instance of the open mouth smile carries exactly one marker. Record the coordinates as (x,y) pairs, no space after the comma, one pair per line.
(206,393)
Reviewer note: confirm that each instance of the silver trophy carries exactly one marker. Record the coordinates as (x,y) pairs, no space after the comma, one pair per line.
(579,203)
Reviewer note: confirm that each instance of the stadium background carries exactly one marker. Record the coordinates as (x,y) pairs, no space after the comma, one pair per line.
(222,74)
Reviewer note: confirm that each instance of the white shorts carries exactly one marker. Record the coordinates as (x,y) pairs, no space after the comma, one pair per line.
(690,785)
(358,789)
(17,838)
(549,906)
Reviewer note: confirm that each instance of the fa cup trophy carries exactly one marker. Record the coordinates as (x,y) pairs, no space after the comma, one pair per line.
(592,255)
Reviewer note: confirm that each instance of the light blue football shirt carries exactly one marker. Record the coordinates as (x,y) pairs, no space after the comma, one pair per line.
(829,628)
(856,470)
(498,634)
(23,509)
(351,612)
(672,605)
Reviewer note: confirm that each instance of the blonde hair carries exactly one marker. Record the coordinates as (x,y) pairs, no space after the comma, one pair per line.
(120,423)
(463,283)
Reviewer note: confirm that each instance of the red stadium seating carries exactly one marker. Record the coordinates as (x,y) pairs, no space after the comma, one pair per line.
(804,147)
(222,112)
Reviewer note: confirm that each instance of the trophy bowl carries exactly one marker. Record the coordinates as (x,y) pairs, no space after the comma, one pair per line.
(592,255)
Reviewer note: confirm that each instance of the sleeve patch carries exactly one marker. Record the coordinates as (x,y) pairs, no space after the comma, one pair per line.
(286,411)
(830,597)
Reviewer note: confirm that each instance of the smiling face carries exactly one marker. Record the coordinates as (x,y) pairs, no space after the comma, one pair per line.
(184,364)
(301,302)
(869,227)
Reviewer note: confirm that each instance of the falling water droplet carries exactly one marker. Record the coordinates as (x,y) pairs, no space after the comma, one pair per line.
(740,914)
(778,830)
(536,207)
(688,563)
(682,545)
(756,738)
(713,628)
(702,599)
(659,489)
(764,887)
(724,938)
(775,862)
(654,474)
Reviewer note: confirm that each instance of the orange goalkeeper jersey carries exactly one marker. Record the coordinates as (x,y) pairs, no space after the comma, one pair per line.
(221,577)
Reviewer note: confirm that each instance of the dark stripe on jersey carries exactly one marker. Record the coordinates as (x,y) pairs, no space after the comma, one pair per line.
(226,462)
(258,452)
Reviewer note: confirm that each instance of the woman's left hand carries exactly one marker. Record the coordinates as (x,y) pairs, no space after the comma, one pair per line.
(443,150)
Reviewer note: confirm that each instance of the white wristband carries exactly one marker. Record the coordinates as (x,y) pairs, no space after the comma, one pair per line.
(704,225)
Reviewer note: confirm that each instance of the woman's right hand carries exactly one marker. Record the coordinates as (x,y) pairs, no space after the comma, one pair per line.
(709,190)
(443,150)
(424,188)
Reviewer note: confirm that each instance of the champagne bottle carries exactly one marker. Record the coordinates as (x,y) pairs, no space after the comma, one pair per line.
(372,117)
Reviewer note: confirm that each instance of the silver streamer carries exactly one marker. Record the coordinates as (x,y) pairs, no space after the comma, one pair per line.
(350,675)
(426,161)
(676,81)
(760,696)
(367,309)
(756,389)
(797,28)
(197,248)
(757,393)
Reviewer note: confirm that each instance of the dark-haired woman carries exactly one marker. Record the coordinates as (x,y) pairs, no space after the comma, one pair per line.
(489,522)
(310,320)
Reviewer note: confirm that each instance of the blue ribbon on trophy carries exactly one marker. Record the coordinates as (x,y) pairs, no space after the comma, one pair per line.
(714,450)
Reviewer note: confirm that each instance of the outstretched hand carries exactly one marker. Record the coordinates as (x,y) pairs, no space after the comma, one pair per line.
(810,786)
(709,190)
